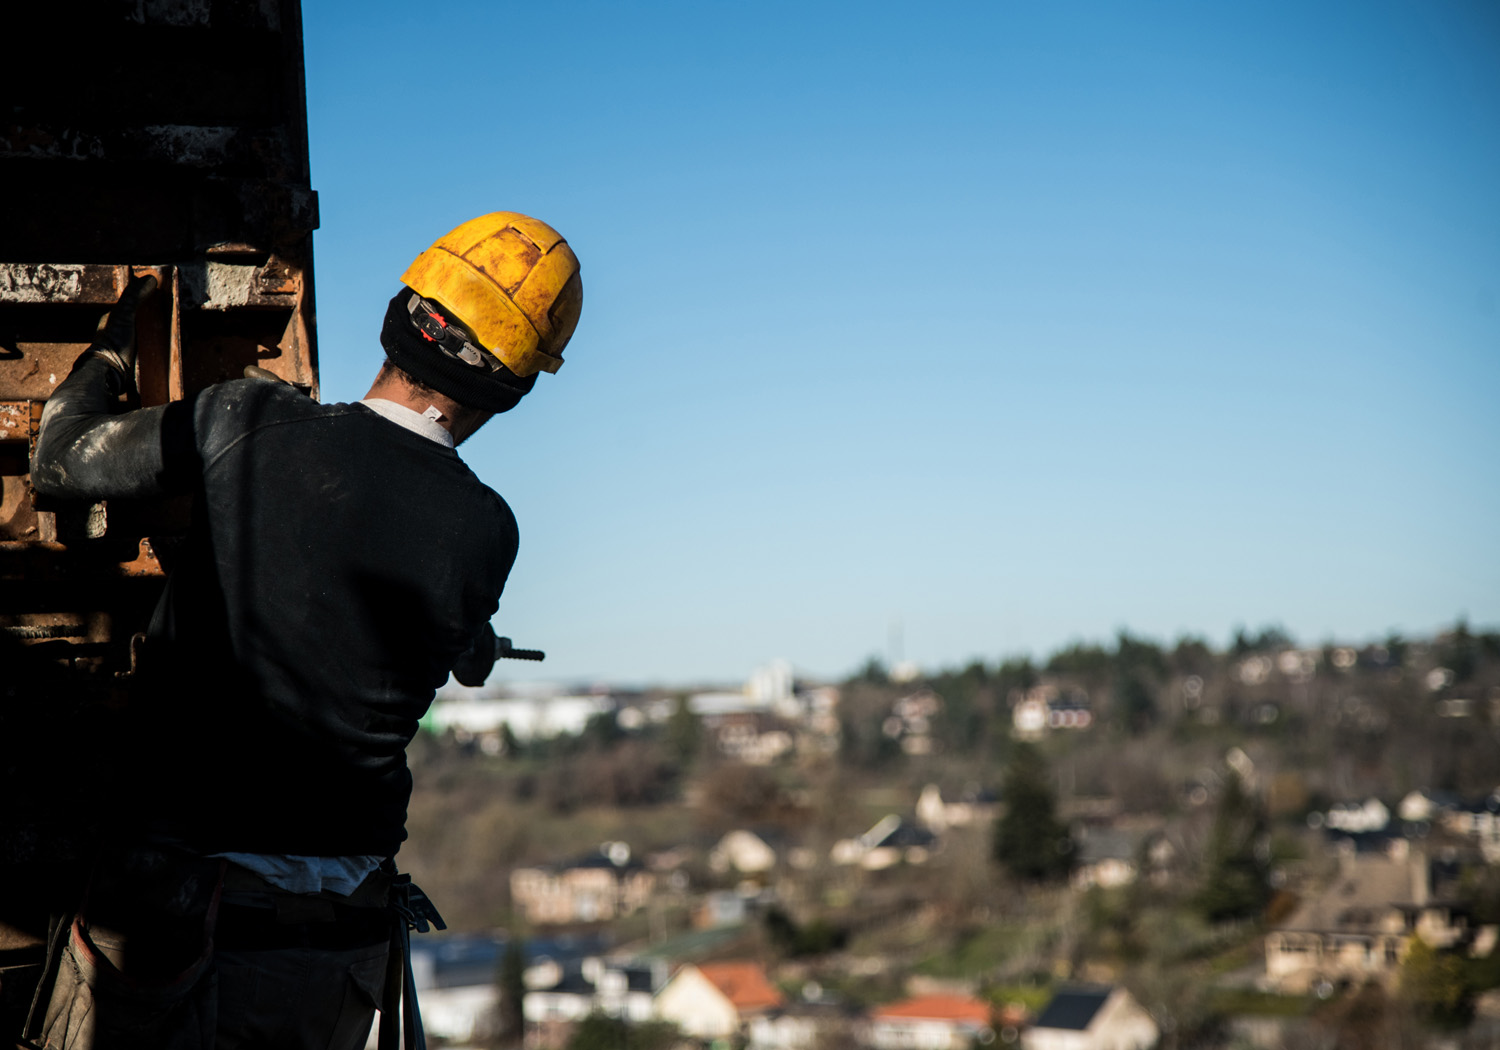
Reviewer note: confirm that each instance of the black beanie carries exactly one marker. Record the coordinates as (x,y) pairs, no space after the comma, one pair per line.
(420,358)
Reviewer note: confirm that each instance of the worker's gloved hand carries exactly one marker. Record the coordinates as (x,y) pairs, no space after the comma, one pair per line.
(475,665)
(115,340)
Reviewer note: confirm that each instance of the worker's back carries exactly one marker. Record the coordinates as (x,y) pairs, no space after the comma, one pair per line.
(337,567)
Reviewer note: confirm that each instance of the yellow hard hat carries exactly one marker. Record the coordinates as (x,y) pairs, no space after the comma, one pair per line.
(512,280)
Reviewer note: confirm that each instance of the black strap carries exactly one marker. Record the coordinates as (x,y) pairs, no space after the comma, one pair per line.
(414,911)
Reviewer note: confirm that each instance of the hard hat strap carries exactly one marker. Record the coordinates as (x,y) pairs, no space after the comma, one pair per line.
(436,329)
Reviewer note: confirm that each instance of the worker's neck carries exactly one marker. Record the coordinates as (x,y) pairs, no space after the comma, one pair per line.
(458,420)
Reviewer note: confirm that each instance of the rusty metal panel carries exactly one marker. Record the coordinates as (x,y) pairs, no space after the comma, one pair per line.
(153,130)
(161,135)
(168,135)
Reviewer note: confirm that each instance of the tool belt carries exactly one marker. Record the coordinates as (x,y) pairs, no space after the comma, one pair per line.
(238,911)
(87,997)
(256,915)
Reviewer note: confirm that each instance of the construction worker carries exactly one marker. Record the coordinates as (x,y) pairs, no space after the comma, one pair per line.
(341,562)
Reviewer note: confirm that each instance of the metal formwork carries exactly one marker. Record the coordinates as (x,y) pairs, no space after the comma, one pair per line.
(160,134)
(167,135)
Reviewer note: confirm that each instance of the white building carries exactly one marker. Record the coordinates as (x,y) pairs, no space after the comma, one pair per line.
(529,718)
(571,993)
(770,685)
(1092,1017)
(717,1000)
(931,1022)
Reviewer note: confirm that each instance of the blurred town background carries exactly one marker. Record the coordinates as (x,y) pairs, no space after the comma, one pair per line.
(1118,844)
(1018,323)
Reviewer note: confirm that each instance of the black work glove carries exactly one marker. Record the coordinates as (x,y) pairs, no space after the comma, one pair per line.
(115,340)
(475,665)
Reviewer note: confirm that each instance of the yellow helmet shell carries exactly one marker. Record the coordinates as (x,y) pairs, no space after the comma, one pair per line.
(512,280)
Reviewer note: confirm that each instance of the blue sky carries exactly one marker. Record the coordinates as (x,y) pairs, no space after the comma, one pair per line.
(1011,323)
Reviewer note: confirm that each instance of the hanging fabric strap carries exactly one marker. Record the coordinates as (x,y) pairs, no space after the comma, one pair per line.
(400,1017)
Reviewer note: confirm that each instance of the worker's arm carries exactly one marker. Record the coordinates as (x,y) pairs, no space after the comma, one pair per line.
(87,449)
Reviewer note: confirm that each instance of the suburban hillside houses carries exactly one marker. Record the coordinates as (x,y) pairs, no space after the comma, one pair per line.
(1362,925)
(1239,846)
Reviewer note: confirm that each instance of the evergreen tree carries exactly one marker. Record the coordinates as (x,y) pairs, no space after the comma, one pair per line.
(510,747)
(1139,664)
(1459,652)
(598,1032)
(1436,984)
(684,731)
(1134,702)
(1234,873)
(1029,840)
(1017,673)
(511,1023)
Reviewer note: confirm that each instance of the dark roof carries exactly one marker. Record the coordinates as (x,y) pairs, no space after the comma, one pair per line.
(1364,841)
(1488,804)
(464,960)
(822,1009)
(1073,1008)
(905,835)
(598,860)
(1070,702)
(573,982)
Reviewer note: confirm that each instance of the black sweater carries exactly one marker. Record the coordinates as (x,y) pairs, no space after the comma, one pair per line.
(337,567)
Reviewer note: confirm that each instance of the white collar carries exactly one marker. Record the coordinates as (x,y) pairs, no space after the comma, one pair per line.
(411,419)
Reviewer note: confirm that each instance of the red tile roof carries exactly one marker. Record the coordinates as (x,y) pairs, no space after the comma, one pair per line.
(743,984)
(936,1008)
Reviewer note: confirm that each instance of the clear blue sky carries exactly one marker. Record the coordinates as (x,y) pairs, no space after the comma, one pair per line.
(1014,323)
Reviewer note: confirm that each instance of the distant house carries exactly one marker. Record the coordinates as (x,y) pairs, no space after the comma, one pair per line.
(1480,821)
(721,908)
(1046,707)
(910,721)
(717,1000)
(1425,806)
(575,991)
(1361,927)
(1092,1017)
(891,841)
(974,806)
(820,724)
(1109,857)
(744,851)
(931,1022)
(455,977)
(1356,817)
(596,888)
(803,1026)
(756,738)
